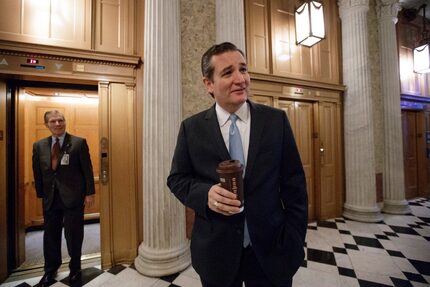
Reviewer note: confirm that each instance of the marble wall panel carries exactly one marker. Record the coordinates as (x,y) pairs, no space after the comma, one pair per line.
(198,31)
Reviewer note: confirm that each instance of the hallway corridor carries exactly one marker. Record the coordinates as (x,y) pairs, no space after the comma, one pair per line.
(339,253)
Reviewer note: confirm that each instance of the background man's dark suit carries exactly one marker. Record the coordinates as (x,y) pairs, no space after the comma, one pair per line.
(275,196)
(63,193)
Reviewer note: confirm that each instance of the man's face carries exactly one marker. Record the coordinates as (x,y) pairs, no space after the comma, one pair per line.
(56,124)
(230,82)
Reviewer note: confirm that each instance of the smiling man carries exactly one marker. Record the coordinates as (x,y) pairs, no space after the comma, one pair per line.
(262,243)
(64,180)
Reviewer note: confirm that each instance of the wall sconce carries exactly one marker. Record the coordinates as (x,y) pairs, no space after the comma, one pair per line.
(309,18)
(422,49)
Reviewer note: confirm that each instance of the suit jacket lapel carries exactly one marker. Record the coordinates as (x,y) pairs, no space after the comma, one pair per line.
(66,144)
(257,127)
(215,133)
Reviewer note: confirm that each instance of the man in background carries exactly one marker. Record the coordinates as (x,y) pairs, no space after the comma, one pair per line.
(261,245)
(64,180)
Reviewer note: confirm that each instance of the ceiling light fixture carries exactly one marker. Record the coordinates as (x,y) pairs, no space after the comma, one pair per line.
(309,20)
(422,49)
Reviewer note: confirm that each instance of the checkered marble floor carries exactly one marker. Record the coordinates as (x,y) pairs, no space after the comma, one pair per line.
(339,253)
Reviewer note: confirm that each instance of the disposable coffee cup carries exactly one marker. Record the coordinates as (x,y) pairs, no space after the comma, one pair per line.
(230,174)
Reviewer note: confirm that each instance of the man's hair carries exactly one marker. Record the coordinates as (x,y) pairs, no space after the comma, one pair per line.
(207,67)
(48,114)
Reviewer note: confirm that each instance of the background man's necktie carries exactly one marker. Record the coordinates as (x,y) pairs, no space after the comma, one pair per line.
(55,154)
(236,152)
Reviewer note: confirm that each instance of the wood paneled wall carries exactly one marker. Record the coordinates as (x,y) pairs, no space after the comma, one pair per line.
(100,25)
(408,32)
(271,43)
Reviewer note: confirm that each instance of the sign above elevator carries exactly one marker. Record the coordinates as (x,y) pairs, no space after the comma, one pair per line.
(22,63)
(13,63)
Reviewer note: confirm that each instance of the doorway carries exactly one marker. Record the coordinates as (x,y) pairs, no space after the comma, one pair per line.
(416,152)
(79,104)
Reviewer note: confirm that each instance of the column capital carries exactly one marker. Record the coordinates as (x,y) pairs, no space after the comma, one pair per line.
(388,9)
(349,6)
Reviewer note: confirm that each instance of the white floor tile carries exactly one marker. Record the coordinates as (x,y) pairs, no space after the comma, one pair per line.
(388,245)
(345,281)
(404,265)
(363,229)
(130,278)
(322,267)
(306,277)
(190,272)
(374,277)
(375,264)
(100,280)
(342,260)
(182,280)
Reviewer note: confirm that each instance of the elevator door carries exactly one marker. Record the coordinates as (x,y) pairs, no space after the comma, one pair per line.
(80,109)
(81,112)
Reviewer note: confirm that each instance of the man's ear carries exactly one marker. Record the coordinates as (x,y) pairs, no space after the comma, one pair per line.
(208,85)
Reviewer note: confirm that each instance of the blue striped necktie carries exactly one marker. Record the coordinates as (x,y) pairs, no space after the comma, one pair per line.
(236,152)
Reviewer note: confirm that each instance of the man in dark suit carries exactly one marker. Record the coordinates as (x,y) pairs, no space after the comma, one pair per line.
(63,176)
(261,245)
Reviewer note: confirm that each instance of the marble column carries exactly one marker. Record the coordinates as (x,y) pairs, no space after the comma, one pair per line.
(230,22)
(165,248)
(393,174)
(360,203)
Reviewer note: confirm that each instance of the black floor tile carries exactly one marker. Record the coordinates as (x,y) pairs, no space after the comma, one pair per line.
(351,246)
(116,269)
(404,230)
(396,253)
(416,226)
(321,256)
(364,283)
(170,278)
(174,285)
(415,277)
(89,274)
(312,227)
(345,232)
(327,224)
(346,272)
(23,285)
(414,204)
(304,263)
(425,219)
(392,234)
(365,241)
(339,250)
(421,266)
(384,237)
(340,220)
(401,282)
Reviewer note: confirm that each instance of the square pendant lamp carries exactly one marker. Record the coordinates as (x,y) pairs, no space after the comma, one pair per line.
(422,49)
(309,20)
